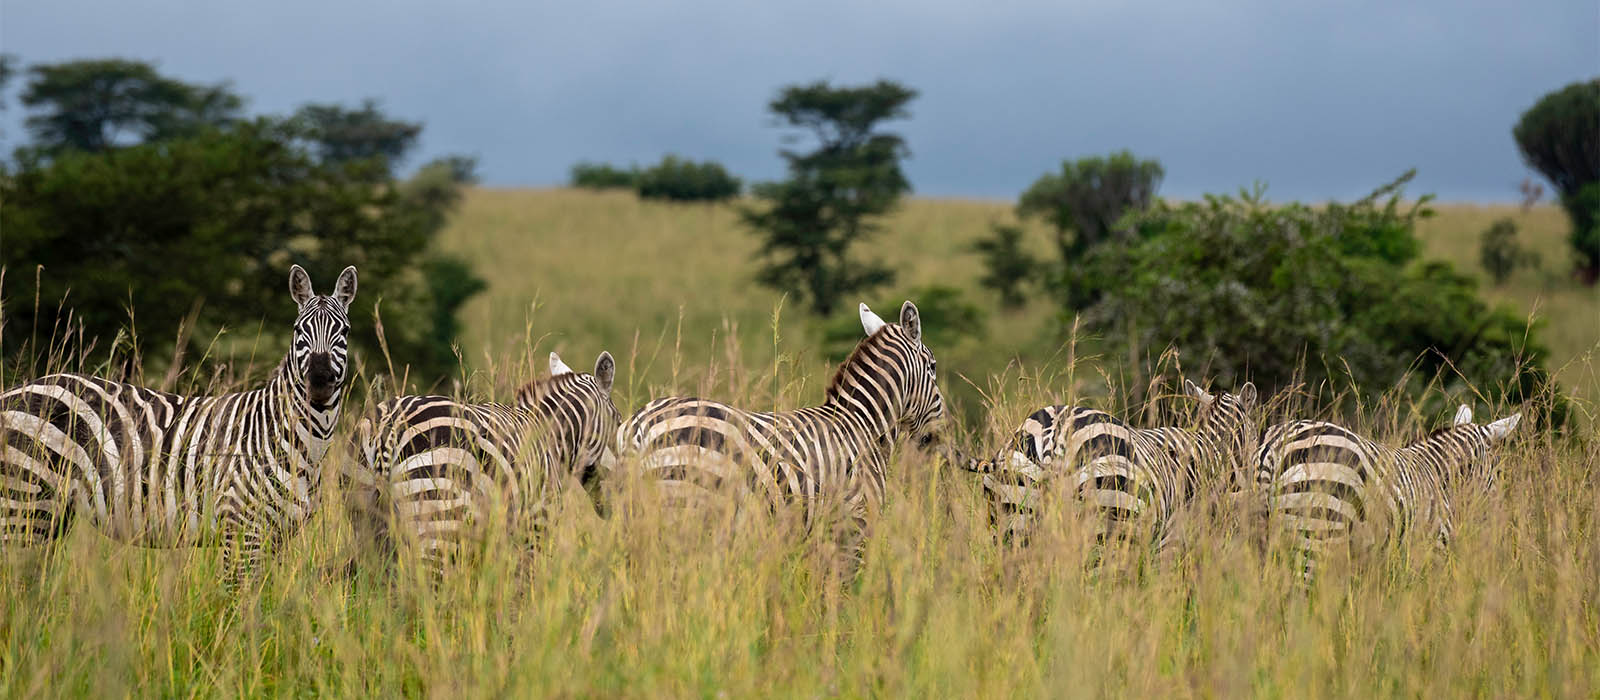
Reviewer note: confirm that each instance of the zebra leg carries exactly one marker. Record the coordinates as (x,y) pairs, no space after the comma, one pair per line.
(244,548)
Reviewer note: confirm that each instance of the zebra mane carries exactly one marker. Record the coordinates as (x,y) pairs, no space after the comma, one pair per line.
(529,395)
(882,336)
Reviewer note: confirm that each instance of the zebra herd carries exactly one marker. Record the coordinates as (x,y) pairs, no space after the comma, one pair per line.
(242,471)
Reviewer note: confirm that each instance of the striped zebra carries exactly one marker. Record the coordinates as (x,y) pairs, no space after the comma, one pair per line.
(161,470)
(1133,478)
(1330,487)
(831,459)
(437,470)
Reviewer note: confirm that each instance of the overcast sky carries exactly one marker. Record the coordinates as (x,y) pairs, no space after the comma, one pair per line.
(1318,98)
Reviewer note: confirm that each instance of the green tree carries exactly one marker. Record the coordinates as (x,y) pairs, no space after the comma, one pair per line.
(1084,201)
(94,105)
(202,225)
(1501,254)
(683,180)
(1323,294)
(833,193)
(341,134)
(1008,267)
(1560,137)
(602,176)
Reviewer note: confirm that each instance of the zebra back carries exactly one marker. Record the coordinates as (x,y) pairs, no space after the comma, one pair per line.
(441,469)
(1331,487)
(699,452)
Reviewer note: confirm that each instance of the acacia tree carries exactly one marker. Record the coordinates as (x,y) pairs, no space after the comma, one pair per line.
(833,193)
(1560,137)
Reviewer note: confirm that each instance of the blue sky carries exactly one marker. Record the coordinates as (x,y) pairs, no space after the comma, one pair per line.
(1319,99)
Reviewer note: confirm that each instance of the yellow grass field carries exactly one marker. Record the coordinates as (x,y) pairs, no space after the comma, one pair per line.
(634,606)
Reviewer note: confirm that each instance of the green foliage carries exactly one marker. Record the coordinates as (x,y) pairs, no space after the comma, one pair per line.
(1085,201)
(203,226)
(603,176)
(95,105)
(1007,267)
(682,180)
(833,194)
(341,135)
(1318,294)
(947,317)
(1583,208)
(1501,254)
(1560,137)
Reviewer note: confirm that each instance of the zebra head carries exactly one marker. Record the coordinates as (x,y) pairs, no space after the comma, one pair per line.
(1468,447)
(581,403)
(1226,423)
(321,350)
(900,352)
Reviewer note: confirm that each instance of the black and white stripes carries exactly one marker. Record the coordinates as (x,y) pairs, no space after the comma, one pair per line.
(1329,487)
(1133,479)
(162,470)
(696,450)
(439,470)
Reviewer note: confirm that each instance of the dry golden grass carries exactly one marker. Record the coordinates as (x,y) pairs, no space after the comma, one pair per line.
(632,607)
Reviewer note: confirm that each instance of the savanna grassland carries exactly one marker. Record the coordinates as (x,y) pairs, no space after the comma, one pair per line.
(634,606)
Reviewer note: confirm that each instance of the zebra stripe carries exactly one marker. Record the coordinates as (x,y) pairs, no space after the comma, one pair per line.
(439,469)
(1330,487)
(155,469)
(699,451)
(1132,478)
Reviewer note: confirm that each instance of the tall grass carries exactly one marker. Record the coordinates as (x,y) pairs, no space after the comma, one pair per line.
(637,605)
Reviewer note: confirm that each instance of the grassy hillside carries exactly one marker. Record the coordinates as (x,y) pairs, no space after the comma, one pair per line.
(586,270)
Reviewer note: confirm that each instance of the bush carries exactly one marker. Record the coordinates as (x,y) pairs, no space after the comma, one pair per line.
(602,176)
(683,180)
(1319,294)
(1560,137)
(1501,254)
(1007,267)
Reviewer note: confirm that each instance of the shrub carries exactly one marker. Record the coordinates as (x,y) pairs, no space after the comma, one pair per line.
(1319,294)
(682,180)
(1560,137)
(1501,254)
(603,176)
(1007,267)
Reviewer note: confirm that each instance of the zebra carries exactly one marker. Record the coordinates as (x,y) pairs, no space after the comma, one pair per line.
(700,452)
(1130,477)
(154,469)
(439,469)
(1331,488)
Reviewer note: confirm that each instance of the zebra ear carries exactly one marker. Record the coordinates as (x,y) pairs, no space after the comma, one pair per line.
(557,366)
(605,371)
(300,285)
(344,291)
(911,320)
(1202,395)
(1463,415)
(870,321)
(1247,394)
(1499,429)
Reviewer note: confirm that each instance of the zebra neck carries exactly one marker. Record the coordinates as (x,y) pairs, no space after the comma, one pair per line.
(871,409)
(1435,456)
(296,419)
